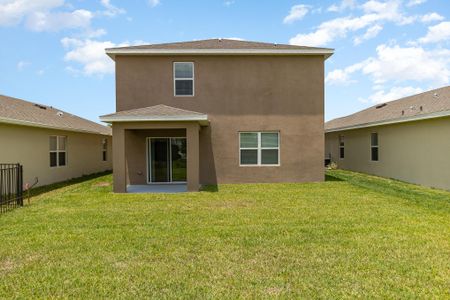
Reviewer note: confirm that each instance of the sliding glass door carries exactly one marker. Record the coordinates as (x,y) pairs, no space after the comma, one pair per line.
(166,160)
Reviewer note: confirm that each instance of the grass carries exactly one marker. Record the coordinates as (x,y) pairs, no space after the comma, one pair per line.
(352,236)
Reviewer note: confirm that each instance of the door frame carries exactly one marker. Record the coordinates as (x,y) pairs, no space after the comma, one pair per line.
(148,158)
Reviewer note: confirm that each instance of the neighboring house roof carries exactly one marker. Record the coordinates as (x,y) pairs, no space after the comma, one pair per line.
(219,47)
(158,112)
(427,105)
(21,112)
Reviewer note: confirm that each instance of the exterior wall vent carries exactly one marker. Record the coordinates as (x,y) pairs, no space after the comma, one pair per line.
(40,106)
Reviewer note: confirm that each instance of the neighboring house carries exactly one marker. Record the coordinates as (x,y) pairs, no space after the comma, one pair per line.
(406,139)
(52,145)
(217,111)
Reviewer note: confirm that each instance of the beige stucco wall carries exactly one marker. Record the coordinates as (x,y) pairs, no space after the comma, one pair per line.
(240,93)
(29,146)
(416,152)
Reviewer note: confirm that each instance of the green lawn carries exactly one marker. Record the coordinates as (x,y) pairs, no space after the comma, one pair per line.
(352,236)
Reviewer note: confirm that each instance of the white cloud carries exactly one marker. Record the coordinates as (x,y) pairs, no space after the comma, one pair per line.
(345,4)
(12,12)
(394,93)
(395,64)
(22,65)
(40,15)
(437,33)
(369,34)
(388,11)
(431,17)
(153,3)
(374,13)
(296,13)
(228,3)
(90,54)
(94,33)
(415,2)
(342,76)
(44,21)
(111,10)
(411,63)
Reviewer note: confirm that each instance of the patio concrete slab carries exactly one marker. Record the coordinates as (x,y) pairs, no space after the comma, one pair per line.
(157,188)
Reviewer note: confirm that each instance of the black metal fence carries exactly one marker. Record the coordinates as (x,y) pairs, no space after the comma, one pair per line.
(11,186)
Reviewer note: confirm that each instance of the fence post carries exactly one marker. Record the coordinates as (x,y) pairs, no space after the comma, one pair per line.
(20,184)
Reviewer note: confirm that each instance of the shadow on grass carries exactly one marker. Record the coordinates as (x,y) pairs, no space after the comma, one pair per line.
(421,195)
(329,177)
(54,186)
(213,188)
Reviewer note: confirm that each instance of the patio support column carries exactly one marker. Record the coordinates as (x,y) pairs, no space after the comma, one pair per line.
(119,168)
(193,157)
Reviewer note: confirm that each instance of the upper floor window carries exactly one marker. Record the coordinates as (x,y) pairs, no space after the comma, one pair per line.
(259,148)
(58,155)
(104,149)
(374,146)
(341,147)
(183,78)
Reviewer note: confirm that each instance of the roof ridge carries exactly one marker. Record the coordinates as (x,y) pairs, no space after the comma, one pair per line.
(203,44)
(153,106)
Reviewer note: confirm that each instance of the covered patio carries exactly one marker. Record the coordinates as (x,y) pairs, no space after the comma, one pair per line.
(156,149)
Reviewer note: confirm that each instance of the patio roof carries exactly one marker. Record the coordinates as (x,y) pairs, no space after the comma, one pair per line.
(156,113)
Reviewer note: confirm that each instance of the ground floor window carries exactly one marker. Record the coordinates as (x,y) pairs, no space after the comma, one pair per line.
(341,147)
(58,152)
(374,146)
(259,148)
(105,149)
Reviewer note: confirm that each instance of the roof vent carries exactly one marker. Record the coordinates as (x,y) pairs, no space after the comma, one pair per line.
(275,44)
(60,113)
(41,106)
(380,105)
(436,95)
(220,39)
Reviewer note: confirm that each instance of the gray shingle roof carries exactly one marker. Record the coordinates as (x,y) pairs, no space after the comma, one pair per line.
(423,104)
(158,112)
(219,44)
(17,111)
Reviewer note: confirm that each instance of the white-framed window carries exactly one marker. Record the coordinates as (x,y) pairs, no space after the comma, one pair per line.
(183,79)
(341,147)
(374,155)
(104,149)
(58,151)
(259,148)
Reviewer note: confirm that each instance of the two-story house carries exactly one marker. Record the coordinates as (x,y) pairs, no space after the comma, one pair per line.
(217,111)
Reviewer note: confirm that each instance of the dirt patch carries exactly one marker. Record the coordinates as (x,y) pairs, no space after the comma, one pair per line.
(102,184)
(7,265)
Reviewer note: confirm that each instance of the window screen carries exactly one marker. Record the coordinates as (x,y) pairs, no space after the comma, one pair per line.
(259,148)
(183,78)
(374,155)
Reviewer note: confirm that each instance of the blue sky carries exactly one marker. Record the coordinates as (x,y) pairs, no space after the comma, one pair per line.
(52,50)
